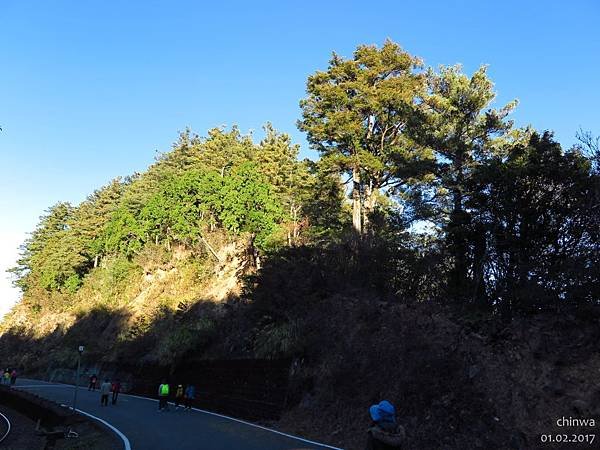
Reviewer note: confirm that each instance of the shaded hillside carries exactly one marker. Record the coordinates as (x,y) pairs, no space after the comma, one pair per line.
(460,378)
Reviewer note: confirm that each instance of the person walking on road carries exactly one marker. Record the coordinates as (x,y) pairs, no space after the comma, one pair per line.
(13,377)
(178,396)
(190,395)
(93,380)
(116,388)
(163,396)
(384,433)
(104,391)
(6,376)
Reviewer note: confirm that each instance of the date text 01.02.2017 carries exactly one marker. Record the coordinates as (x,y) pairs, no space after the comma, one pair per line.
(567,438)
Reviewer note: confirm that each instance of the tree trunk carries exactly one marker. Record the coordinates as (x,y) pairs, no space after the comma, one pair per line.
(458,246)
(369,206)
(479,260)
(254,252)
(356,201)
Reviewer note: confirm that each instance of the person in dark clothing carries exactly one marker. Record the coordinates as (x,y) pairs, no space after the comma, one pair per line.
(93,380)
(13,377)
(384,433)
(116,388)
(190,395)
(178,396)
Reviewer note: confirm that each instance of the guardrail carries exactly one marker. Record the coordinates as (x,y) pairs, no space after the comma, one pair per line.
(7,427)
(37,408)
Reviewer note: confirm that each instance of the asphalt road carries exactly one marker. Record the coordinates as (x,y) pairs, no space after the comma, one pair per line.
(148,429)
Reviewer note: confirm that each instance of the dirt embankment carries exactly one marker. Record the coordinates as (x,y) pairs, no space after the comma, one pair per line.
(457,383)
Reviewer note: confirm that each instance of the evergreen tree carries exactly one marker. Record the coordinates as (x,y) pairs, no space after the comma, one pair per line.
(52,256)
(92,215)
(222,150)
(458,125)
(531,215)
(355,116)
(277,160)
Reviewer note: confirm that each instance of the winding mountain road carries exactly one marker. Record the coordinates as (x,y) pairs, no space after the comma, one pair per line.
(142,427)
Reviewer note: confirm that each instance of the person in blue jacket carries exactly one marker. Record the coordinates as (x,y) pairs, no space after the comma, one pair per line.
(384,432)
(190,395)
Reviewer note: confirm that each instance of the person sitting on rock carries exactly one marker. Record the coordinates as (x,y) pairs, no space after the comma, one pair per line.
(384,433)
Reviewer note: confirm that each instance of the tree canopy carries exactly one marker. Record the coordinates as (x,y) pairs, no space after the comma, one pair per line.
(442,187)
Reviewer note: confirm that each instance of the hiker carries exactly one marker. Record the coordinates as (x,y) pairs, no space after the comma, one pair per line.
(116,388)
(6,376)
(104,391)
(384,433)
(92,386)
(163,396)
(190,395)
(13,377)
(178,396)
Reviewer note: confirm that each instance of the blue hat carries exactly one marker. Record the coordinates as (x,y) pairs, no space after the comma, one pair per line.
(383,412)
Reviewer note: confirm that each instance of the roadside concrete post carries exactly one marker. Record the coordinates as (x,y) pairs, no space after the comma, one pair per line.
(80,351)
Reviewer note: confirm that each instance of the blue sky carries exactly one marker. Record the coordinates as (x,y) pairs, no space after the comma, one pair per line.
(90,90)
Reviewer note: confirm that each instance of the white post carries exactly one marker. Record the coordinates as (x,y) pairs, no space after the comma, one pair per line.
(80,351)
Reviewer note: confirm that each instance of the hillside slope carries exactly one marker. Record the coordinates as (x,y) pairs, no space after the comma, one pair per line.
(460,379)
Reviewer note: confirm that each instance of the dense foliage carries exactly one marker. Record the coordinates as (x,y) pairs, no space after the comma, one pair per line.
(446,197)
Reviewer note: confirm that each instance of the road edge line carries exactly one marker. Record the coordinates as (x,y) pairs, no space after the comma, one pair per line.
(126,443)
(307,441)
(267,429)
(230,418)
(8,427)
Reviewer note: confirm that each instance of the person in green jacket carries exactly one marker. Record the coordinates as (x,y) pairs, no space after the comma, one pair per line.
(163,396)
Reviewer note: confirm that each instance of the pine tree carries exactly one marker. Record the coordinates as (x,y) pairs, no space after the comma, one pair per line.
(458,125)
(355,116)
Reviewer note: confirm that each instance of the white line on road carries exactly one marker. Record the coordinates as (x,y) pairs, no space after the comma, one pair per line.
(126,443)
(247,423)
(18,386)
(229,418)
(7,426)
(268,429)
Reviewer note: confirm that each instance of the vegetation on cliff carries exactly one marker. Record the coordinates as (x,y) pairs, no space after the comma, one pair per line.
(426,204)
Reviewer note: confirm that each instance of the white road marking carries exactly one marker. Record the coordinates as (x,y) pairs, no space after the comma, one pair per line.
(40,385)
(126,443)
(247,423)
(8,426)
(229,418)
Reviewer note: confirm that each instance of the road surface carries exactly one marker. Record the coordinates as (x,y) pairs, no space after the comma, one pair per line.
(145,428)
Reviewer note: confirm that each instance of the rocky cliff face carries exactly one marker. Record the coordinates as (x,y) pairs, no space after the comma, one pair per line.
(123,307)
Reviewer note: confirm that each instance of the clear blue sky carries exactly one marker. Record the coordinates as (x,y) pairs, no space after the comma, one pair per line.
(89,90)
